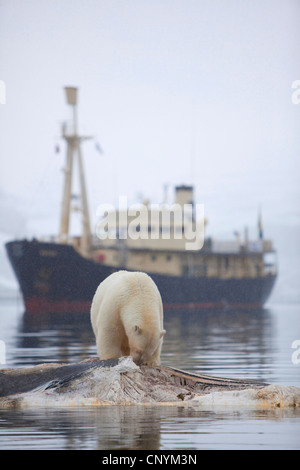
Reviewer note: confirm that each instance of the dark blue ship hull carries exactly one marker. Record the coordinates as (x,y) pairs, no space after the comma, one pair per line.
(55,278)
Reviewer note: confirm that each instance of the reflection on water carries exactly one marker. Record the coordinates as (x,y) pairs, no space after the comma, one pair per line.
(127,427)
(251,344)
(54,338)
(235,343)
(147,428)
(219,342)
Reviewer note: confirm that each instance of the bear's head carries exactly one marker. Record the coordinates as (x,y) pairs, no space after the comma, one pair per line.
(144,344)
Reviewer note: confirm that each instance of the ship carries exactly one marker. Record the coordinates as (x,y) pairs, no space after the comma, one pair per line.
(167,241)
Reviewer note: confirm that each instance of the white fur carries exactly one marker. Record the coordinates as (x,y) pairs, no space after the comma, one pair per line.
(127,317)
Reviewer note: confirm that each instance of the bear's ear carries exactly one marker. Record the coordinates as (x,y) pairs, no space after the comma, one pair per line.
(162,333)
(137,329)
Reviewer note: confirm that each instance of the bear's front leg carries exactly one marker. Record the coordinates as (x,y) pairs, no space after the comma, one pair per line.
(108,345)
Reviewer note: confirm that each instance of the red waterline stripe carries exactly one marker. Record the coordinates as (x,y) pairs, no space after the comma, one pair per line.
(211,305)
(36,305)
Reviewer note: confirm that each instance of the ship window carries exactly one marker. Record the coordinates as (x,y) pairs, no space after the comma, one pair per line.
(168,257)
(153,257)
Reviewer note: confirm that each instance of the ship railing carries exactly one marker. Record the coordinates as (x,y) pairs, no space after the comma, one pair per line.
(48,239)
(227,247)
(234,246)
(71,240)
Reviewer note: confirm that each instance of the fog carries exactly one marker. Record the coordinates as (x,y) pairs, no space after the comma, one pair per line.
(194,92)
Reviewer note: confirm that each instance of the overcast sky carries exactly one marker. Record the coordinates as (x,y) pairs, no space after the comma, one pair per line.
(174,91)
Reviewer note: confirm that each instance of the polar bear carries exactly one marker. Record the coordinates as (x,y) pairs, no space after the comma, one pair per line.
(127,317)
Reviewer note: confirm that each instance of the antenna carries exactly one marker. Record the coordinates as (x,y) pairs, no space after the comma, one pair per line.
(193,146)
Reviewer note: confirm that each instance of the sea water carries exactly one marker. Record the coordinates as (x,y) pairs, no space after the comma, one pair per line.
(252,344)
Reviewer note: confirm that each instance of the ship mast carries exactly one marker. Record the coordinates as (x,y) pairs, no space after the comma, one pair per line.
(74,150)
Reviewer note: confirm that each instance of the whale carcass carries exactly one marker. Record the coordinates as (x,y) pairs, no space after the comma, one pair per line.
(121,382)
